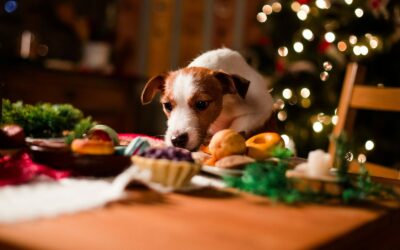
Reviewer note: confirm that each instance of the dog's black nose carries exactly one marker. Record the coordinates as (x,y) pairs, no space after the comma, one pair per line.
(180,140)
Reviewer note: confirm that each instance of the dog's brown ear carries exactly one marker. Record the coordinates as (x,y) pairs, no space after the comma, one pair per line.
(232,84)
(151,88)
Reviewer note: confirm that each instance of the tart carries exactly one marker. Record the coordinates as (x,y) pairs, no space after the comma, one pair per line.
(169,166)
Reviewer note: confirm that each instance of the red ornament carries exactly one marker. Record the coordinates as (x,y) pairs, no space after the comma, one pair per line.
(303,1)
(280,65)
(323,46)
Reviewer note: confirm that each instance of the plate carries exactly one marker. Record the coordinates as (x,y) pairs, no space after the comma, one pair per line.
(79,164)
(221,171)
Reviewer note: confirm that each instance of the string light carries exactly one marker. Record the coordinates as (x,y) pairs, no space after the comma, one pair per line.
(261,17)
(322,4)
(307,34)
(324,76)
(276,7)
(373,42)
(305,8)
(330,37)
(349,156)
(342,46)
(353,39)
(359,12)
(305,103)
(317,127)
(334,119)
(298,47)
(287,93)
(364,50)
(357,50)
(267,9)
(327,66)
(369,145)
(302,15)
(295,6)
(362,158)
(282,115)
(348,2)
(305,92)
(283,51)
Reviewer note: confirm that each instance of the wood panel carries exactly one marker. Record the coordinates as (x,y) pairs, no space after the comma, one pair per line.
(162,12)
(224,19)
(376,98)
(191,39)
(209,220)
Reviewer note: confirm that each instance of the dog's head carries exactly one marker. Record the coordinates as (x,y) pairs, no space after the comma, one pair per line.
(192,100)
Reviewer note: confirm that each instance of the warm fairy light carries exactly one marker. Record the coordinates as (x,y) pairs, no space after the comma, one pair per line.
(362,158)
(261,17)
(26,40)
(282,115)
(353,39)
(307,34)
(305,103)
(342,46)
(295,6)
(349,156)
(324,76)
(327,66)
(302,15)
(285,139)
(305,92)
(279,104)
(287,93)
(330,37)
(348,2)
(357,50)
(359,12)
(322,4)
(364,50)
(369,145)
(305,8)
(317,127)
(276,7)
(373,43)
(267,9)
(283,51)
(334,119)
(298,47)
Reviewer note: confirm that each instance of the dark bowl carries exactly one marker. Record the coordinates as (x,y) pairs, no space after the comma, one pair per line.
(79,164)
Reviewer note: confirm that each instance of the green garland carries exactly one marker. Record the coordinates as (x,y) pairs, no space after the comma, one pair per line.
(45,120)
(269,179)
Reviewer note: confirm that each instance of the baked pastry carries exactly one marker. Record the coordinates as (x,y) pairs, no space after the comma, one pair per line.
(92,147)
(169,166)
(260,146)
(234,161)
(227,142)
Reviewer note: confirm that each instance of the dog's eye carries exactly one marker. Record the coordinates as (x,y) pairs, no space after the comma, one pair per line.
(167,106)
(202,105)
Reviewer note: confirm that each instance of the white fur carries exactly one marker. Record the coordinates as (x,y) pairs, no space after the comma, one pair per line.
(238,114)
(182,118)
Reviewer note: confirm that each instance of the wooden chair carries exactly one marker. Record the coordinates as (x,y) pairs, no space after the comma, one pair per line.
(356,96)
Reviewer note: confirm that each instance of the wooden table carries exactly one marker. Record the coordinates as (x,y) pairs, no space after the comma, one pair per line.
(210,220)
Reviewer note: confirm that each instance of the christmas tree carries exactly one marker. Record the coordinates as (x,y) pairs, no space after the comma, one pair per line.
(306,46)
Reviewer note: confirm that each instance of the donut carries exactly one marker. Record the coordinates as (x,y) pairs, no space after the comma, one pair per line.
(259,146)
(92,147)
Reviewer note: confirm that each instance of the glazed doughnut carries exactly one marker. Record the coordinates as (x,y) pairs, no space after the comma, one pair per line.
(92,147)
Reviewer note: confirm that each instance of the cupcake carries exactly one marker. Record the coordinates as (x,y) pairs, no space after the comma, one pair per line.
(170,166)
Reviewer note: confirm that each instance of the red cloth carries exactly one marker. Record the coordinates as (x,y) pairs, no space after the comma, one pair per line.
(20,169)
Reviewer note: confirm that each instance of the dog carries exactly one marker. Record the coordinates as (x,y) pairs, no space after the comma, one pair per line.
(217,90)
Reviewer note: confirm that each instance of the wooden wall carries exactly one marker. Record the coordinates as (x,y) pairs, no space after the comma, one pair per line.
(159,35)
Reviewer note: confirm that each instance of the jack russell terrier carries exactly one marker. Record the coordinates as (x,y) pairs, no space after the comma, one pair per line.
(218,90)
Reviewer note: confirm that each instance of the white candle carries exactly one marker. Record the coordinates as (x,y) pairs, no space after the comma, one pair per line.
(318,163)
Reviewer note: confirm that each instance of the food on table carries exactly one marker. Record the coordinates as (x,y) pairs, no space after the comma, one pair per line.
(12,136)
(259,146)
(169,166)
(234,161)
(136,146)
(92,147)
(103,133)
(227,142)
